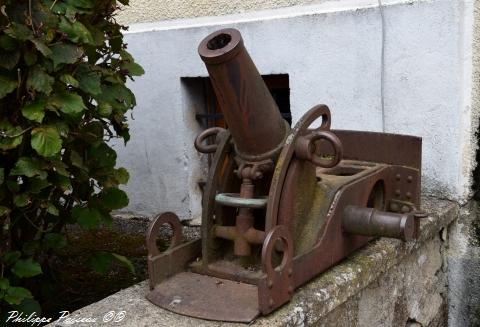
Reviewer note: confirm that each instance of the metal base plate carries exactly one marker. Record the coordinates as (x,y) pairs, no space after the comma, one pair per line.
(207,297)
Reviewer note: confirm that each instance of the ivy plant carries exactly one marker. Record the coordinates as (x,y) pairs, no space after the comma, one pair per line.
(63,96)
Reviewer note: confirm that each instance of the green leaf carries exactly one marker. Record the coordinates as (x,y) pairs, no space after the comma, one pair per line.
(100,261)
(77,160)
(133,68)
(63,182)
(69,103)
(28,167)
(15,295)
(12,135)
(89,81)
(69,80)
(30,57)
(76,31)
(82,3)
(11,257)
(42,47)
(9,59)
(19,32)
(37,185)
(113,198)
(8,43)
(27,307)
(46,141)
(21,200)
(104,109)
(27,268)
(60,167)
(86,217)
(55,241)
(102,156)
(6,86)
(51,209)
(39,80)
(65,54)
(124,261)
(34,111)
(4,283)
(121,175)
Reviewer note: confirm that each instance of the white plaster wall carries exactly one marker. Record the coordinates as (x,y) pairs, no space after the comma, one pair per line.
(141,11)
(332,53)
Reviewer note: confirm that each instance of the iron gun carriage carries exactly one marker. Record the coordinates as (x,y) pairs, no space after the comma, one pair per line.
(281,204)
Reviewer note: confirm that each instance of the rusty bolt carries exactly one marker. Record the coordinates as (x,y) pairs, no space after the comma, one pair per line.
(409,179)
(271,302)
(290,290)
(398,177)
(290,272)
(397,192)
(408,195)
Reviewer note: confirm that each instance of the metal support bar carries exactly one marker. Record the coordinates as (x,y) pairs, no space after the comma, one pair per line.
(372,222)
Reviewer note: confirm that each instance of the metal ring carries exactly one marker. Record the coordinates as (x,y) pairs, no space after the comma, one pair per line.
(154,229)
(234,200)
(278,233)
(305,148)
(204,148)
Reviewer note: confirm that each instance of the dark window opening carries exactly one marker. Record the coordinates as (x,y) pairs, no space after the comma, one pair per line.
(212,116)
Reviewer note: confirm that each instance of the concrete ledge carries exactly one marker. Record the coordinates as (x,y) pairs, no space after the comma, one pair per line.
(310,304)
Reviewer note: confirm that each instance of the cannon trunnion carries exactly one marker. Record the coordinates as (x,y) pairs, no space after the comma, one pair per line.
(281,205)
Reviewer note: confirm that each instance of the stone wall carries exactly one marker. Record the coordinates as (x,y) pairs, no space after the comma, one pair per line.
(464,268)
(387,283)
(412,292)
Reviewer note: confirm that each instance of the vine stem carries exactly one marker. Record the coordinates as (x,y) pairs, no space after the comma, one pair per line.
(31,223)
(3,134)
(53,4)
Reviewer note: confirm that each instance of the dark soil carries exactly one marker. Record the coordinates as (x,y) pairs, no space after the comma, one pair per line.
(77,285)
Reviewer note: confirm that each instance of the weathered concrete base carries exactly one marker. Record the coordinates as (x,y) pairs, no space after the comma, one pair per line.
(387,283)
(464,267)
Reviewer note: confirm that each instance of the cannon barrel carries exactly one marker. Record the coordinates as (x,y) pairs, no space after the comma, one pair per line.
(252,116)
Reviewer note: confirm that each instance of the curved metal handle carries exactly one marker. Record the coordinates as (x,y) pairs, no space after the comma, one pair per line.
(306,149)
(278,233)
(154,229)
(204,148)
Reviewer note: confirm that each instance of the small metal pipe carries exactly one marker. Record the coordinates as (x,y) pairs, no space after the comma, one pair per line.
(251,113)
(371,222)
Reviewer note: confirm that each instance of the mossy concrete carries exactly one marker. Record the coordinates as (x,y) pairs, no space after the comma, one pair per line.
(386,283)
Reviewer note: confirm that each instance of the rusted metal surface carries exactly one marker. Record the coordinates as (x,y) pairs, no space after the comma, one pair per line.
(207,297)
(371,222)
(277,286)
(207,148)
(162,265)
(241,91)
(280,206)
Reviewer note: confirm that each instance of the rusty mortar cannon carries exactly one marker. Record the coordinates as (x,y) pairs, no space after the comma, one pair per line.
(281,205)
